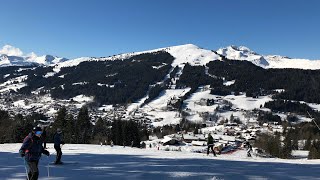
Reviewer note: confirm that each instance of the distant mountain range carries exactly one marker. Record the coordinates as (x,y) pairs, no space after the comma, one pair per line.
(6,60)
(167,79)
(183,54)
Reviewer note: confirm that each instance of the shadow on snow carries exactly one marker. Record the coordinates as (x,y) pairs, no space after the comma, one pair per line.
(104,166)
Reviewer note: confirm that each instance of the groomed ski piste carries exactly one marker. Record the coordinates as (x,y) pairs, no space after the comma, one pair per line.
(84,161)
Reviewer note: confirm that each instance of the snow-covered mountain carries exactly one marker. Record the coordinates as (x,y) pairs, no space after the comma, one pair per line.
(183,54)
(11,56)
(197,56)
(47,60)
(6,60)
(26,61)
(187,53)
(243,53)
(267,61)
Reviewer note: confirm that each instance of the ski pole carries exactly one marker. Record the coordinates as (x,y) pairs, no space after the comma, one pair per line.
(25,167)
(313,120)
(48,167)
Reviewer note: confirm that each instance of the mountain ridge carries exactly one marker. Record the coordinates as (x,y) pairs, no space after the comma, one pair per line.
(186,53)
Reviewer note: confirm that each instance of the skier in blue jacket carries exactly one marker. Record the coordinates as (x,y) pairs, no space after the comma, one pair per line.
(57,145)
(31,150)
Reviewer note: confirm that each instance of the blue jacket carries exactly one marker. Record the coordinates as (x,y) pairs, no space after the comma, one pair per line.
(57,139)
(32,147)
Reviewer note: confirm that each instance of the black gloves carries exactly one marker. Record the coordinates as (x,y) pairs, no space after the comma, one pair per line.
(62,142)
(46,152)
(22,153)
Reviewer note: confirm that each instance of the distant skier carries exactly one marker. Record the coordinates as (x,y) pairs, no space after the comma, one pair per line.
(57,145)
(31,150)
(210,145)
(249,148)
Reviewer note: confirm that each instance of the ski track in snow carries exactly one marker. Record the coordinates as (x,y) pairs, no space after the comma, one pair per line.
(105,162)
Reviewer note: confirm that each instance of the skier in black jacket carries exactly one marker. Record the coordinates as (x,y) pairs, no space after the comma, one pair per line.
(57,145)
(210,144)
(31,150)
(249,148)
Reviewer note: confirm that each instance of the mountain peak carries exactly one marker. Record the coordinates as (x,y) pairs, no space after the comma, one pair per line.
(243,53)
(240,48)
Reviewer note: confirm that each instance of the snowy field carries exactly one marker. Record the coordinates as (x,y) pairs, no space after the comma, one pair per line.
(105,162)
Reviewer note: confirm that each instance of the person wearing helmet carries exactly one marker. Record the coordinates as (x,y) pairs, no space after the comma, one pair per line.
(57,145)
(31,150)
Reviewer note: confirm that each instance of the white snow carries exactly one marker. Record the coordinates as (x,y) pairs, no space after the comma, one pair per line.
(107,85)
(160,66)
(13,84)
(191,54)
(285,62)
(243,53)
(80,83)
(229,83)
(267,61)
(19,103)
(157,109)
(197,104)
(104,162)
(105,107)
(49,74)
(69,63)
(82,98)
(247,103)
(314,106)
(44,60)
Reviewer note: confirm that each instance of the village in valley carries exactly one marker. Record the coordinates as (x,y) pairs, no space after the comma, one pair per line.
(230,120)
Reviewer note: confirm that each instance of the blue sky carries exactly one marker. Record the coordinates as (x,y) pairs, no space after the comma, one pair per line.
(75,28)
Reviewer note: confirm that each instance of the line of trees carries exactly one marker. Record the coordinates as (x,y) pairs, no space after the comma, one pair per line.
(79,129)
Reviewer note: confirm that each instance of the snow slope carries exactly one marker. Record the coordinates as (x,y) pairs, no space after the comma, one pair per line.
(85,162)
(267,61)
(285,62)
